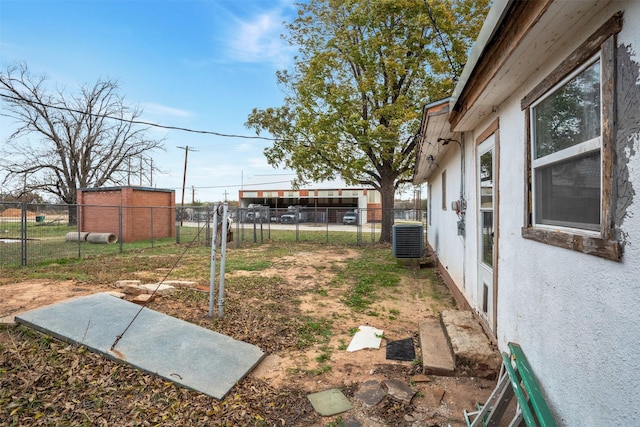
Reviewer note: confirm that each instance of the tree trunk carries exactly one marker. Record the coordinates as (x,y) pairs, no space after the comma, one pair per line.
(387,187)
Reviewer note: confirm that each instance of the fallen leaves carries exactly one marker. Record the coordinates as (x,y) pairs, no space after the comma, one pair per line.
(67,385)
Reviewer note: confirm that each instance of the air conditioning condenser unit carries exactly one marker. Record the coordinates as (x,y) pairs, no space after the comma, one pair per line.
(407,240)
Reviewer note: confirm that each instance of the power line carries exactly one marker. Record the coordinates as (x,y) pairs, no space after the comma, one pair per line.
(159,126)
(234,185)
(141,122)
(246,185)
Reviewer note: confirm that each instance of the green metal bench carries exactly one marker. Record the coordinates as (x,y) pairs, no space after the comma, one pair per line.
(516,379)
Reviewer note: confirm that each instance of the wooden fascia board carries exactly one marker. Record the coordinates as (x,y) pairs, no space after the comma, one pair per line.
(518,21)
(424,149)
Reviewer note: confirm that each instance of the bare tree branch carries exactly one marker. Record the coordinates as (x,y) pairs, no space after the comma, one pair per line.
(65,142)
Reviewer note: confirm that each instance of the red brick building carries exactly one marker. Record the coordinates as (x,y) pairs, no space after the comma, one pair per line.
(131,213)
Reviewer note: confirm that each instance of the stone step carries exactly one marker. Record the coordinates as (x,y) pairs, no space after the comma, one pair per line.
(473,351)
(456,344)
(437,358)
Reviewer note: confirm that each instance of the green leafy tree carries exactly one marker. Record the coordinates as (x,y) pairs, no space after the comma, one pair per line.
(354,96)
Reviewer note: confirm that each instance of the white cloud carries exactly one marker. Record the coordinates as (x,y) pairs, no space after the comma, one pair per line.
(258,163)
(246,146)
(258,40)
(164,111)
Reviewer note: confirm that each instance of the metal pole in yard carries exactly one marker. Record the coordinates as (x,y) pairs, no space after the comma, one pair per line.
(212,272)
(223,259)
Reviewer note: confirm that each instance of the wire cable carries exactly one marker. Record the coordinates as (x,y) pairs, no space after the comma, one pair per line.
(139,122)
(173,267)
(156,125)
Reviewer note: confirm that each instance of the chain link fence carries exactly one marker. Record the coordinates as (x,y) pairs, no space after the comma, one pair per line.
(32,234)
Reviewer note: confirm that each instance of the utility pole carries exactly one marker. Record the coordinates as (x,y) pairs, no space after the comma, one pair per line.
(184,178)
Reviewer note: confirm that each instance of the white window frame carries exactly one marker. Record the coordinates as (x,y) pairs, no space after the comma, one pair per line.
(585,147)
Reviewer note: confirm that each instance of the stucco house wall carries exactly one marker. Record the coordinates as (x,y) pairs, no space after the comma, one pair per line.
(575,314)
(442,230)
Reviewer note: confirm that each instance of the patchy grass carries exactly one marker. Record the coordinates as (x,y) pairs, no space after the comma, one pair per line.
(314,331)
(374,270)
(46,382)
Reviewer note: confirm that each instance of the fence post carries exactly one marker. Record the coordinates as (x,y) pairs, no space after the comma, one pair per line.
(326,221)
(23,233)
(297,225)
(177,231)
(79,227)
(237,236)
(207,227)
(120,227)
(373,229)
(152,235)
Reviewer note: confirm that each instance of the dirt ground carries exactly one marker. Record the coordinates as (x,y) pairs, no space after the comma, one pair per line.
(27,295)
(308,276)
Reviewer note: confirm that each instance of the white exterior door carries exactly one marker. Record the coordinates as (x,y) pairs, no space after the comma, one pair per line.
(486,242)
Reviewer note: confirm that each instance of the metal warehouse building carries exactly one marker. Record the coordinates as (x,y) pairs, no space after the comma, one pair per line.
(335,202)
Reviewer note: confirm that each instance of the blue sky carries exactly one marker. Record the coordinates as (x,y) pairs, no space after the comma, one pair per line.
(198,64)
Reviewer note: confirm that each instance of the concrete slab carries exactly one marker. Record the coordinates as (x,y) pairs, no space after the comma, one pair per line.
(125,283)
(366,337)
(329,402)
(370,393)
(436,354)
(142,299)
(179,351)
(399,390)
(185,284)
(158,289)
(473,351)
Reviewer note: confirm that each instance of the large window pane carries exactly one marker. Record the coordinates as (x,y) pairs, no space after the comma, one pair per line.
(571,115)
(568,193)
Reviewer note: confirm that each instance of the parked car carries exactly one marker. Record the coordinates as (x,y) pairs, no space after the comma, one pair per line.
(350,218)
(257,213)
(292,217)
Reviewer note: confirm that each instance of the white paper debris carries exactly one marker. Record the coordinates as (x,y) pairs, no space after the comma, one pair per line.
(366,337)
